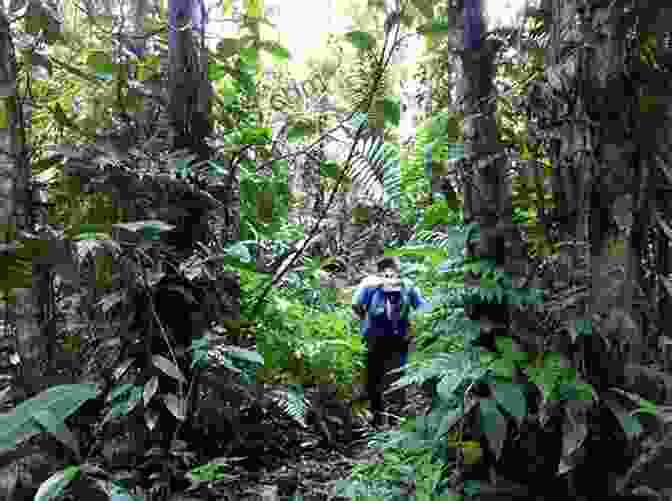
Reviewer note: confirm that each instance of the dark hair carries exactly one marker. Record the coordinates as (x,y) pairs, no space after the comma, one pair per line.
(388,262)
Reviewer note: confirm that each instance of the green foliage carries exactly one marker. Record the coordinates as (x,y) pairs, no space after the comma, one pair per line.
(436,145)
(304,344)
(46,411)
(292,402)
(376,163)
(361,40)
(263,218)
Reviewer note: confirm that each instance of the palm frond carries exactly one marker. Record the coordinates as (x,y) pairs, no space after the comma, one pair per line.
(376,167)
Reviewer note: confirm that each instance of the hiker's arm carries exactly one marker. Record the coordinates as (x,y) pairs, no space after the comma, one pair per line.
(359,301)
(420,304)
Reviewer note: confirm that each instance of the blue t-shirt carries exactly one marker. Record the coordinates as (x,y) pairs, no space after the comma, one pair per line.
(377,325)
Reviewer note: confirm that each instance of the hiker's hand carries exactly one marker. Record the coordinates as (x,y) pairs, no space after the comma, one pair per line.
(410,333)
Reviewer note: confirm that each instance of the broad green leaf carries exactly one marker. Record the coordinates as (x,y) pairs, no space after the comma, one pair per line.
(217,71)
(259,136)
(239,251)
(504,368)
(4,114)
(216,169)
(330,169)
(57,428)
(119,391)
(361,40)
(511,397)
(279,53)
(265,207)
(54,487)
(151,233)
(299,131)
(228,47)
(435,27)
(392,111)
(101,63)
(253,8)
(243,354)
(249,55)
(631,425)
(183,167)
(18,425)
(493,424)
(629,422)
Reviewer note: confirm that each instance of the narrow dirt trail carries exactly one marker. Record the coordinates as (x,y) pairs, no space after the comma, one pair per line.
(311,474)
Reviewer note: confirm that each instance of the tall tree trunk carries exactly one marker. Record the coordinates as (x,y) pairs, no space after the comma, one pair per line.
(601,173)
(487,202)
(15,212)
(485,199)
(190,90)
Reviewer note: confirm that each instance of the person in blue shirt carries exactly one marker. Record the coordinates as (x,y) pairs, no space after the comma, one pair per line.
(383,304)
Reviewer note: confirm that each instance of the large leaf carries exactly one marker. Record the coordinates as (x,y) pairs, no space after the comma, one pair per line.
(279,53)
(246,355)
(631,424)
(493,425)
(511,397)
(217,71)
(240,252)
(228,47)
(168,367)
(361,40)
(101,62)
(57,428)
(435,27)
(329,169)
(176,406)
(54,487)
(299,130)
(392,111)
(61,401)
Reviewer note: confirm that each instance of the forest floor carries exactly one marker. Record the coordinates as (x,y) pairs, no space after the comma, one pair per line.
(311,475)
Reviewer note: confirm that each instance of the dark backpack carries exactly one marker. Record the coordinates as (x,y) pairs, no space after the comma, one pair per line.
(389,308)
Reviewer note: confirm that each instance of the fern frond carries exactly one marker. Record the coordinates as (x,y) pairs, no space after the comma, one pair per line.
(376,167)
(292,402)
(453,243)
(450,369)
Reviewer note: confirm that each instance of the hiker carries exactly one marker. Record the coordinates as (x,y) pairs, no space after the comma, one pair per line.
(383,302)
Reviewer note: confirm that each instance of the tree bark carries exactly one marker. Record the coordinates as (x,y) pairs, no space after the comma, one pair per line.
(15,215)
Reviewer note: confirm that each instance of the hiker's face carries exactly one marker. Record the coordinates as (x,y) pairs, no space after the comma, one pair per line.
(390,273)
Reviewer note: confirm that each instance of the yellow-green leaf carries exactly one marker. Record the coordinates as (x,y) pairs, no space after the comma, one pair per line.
(4,114)
(361,40)
(100,62)
(253,8)
(425,7)
(228,47)
(35,18)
